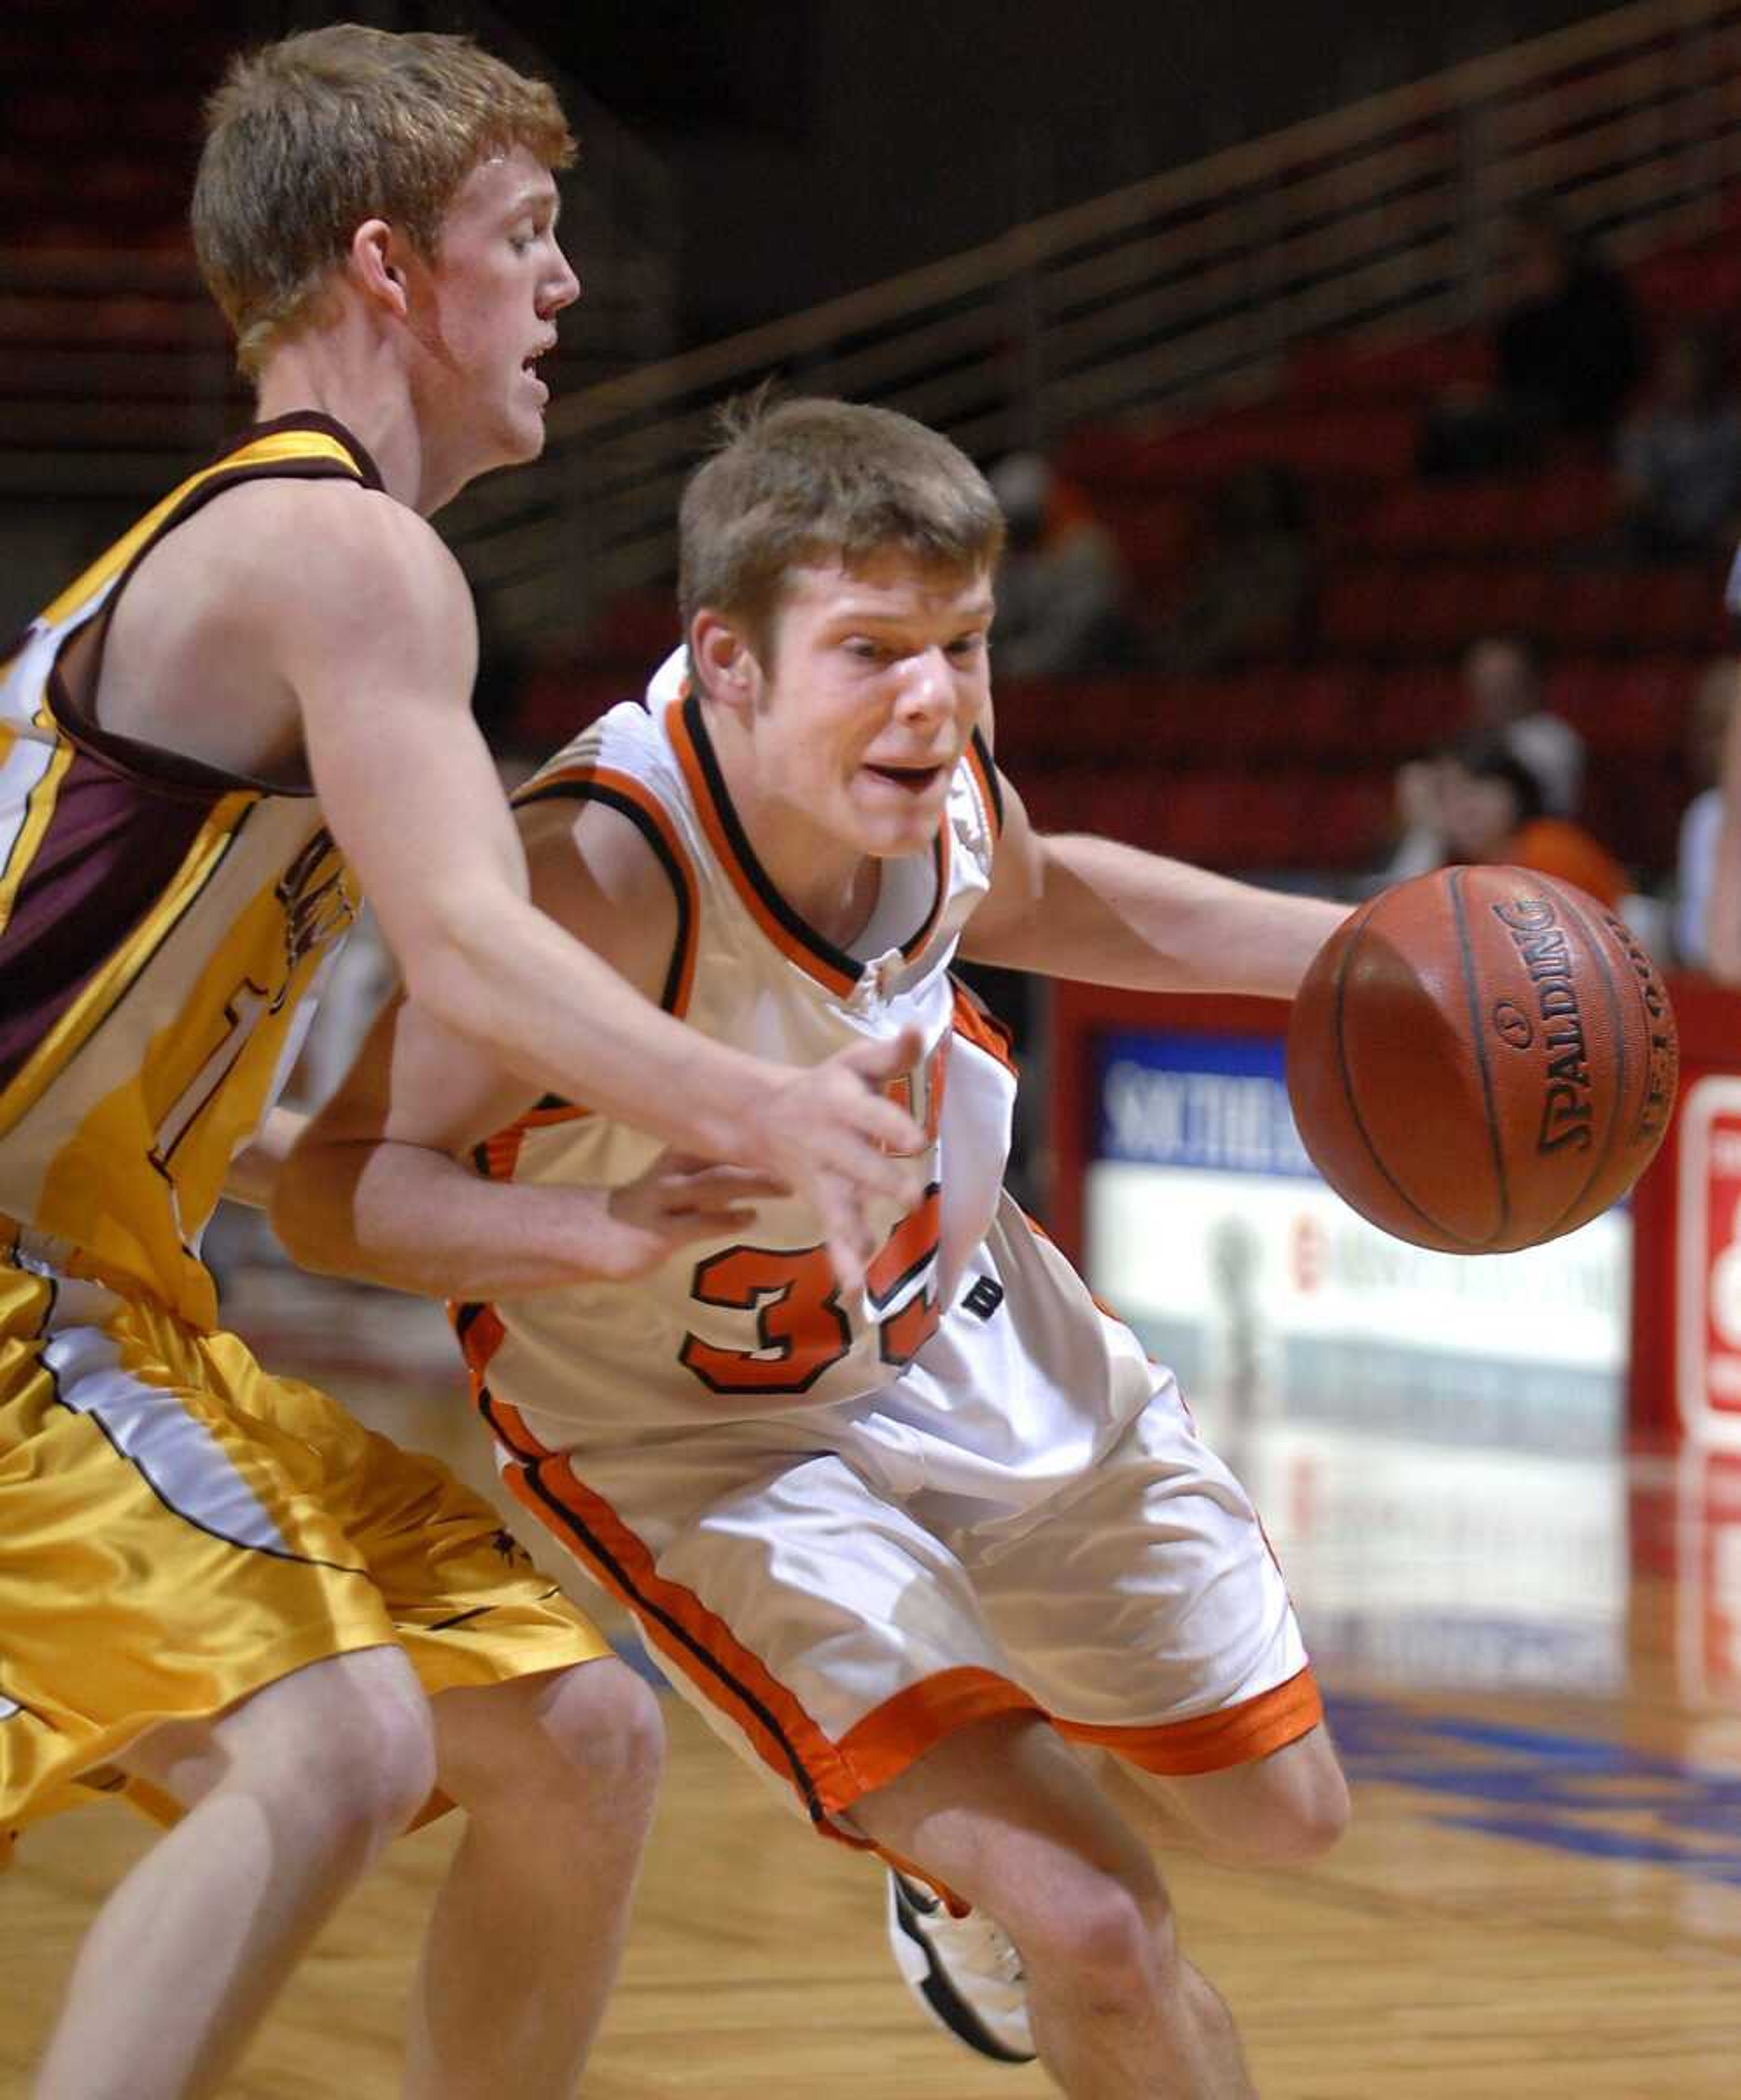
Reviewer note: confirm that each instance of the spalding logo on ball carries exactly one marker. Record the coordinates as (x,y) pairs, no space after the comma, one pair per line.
(1482,1059)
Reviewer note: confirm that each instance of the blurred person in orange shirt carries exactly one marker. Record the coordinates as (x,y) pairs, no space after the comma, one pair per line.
(1494,811)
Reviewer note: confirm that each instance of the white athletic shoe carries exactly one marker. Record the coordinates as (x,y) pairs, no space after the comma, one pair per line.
(964,1971)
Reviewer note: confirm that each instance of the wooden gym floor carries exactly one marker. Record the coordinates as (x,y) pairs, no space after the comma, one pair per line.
(1535,1671)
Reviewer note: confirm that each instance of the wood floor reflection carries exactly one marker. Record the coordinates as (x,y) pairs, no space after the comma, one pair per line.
(1534,1667)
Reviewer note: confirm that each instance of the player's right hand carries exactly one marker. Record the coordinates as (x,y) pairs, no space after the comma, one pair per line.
(840,1143)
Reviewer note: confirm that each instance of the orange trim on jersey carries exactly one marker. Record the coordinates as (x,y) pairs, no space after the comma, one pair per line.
(1213,1742)
(582,774)
(480,1332)
(749,893)
(895,1735)
(830,966)
(501,1151)
(694,1640)
(982,1029)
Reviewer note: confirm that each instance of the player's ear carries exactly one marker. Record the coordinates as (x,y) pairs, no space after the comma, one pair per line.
(376,264)
(724,661)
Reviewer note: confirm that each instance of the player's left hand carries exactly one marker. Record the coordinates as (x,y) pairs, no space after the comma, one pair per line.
(679,1198)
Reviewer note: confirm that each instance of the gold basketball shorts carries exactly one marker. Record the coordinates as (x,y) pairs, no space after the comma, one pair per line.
(182,1528)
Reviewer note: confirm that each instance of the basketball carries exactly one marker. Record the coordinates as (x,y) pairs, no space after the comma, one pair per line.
(1482,1059)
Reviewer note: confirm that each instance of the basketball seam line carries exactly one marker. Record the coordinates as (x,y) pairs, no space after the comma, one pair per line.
(1372,1154)
(1466,949)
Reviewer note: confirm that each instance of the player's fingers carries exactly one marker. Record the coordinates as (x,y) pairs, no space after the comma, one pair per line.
(889,1176)
(875,1062)
(726,1185)
(847,1232)
(706,1222)
(888,1125)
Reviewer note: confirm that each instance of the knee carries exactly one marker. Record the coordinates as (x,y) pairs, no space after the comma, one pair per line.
(605,1725)
(1295,1822)
(1115,1940)
(352,1740)
(563,1753)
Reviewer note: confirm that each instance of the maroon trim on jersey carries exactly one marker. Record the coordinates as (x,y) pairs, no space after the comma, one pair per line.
(152,763)
(309,419)
(111,849)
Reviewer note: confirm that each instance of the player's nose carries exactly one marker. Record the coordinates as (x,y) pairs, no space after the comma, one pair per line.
(562,288)
(929,686)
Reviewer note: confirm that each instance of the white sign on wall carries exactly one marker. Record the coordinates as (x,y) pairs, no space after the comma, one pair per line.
(1207,1229)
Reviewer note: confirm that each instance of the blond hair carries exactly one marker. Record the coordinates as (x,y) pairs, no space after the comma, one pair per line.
(309,137)
(815,480)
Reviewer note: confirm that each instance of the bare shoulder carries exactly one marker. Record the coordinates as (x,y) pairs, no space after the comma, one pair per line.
(596,874)
(304,530)
(332,544)
(242,613)
(274,567)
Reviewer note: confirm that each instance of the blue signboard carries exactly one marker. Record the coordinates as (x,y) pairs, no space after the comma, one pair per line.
(1217,1102)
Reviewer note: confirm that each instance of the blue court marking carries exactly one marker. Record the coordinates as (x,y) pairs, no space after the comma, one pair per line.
(1570,1794)
(1535,1786)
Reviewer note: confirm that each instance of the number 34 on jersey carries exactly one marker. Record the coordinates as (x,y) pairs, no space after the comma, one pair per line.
(795,1325)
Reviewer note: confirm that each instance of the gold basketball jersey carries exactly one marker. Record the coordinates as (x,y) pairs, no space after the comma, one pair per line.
(161,927)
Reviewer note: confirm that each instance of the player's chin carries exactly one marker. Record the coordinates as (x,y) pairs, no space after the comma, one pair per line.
(522,433)
(895,838)
(527,439)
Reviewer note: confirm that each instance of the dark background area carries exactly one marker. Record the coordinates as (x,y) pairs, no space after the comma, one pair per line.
(819,145)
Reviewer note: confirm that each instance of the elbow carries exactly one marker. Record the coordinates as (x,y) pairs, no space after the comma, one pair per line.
(446,977)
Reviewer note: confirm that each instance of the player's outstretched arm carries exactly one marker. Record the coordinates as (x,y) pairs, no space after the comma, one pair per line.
(406,1210)
(373,631)
(1092,909)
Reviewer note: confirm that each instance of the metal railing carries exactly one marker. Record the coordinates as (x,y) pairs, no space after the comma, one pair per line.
(1163,299)
(1176,294)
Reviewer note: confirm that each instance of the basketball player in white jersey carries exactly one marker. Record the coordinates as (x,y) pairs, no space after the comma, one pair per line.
(218,1594)
(902,1545)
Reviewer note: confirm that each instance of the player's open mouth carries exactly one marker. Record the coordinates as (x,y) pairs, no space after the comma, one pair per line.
(913,779)
(529,368)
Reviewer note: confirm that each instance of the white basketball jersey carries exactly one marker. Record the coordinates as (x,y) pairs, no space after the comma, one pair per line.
(753,1323)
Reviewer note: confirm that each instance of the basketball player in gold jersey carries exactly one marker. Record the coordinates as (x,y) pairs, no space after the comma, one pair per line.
(218,1593)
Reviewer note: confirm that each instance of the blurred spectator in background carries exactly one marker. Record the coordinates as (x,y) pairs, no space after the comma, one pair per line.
(1502,677)
(1568,349)
(1062,589)
(1253,588)
(1709,715)
(1502,689)
(1679,458)
(1494,811)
